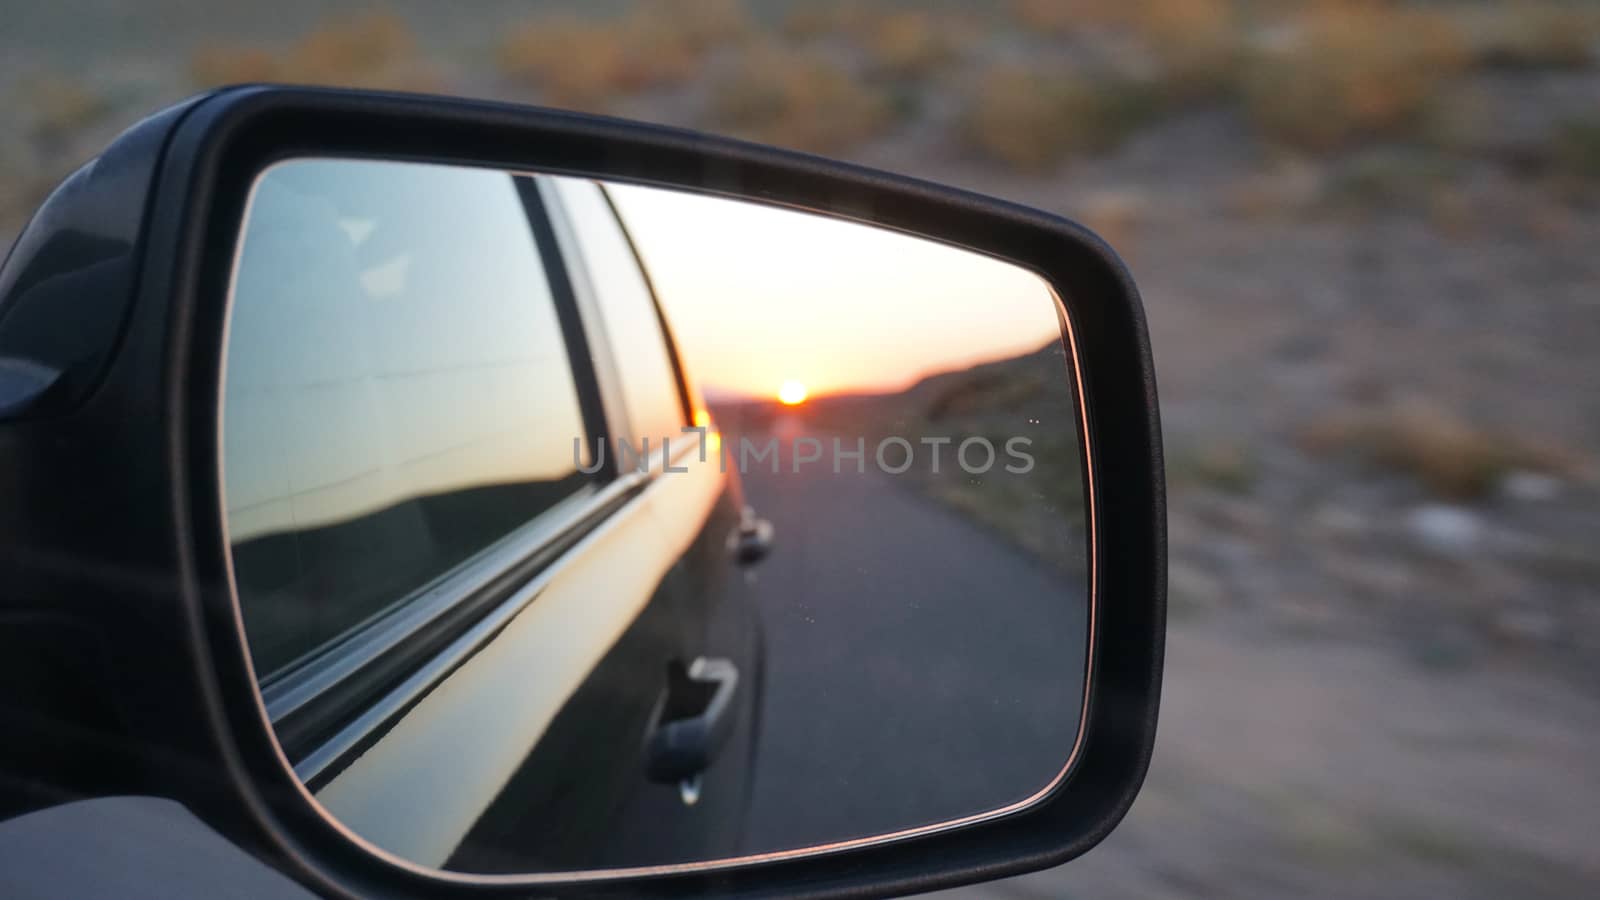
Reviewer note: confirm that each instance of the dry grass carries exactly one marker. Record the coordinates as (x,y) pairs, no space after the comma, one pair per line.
(1117,217)
(1196,43)
(1063,16)
(1532,34)
(29,171)
(19,187)
(1033,117)
(218,64)
(51,112)
(1452,457)
(1388,178)
(699,24)
(810,21)
(1577,150)
(1326,74)
(1223,466)
(1355,70)
(586,63)
(1452,212)
(896,42)
(913,43)
(799,99)
(1189,36)
(55,106)
(1283,187)
(375,50)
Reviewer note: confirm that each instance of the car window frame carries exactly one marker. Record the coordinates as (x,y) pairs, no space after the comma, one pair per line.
(329,705)
(685,396)
(591,304)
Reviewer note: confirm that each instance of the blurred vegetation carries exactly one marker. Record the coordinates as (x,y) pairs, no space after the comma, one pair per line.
(1194,42)
(1527,34)
(374,50)
(912,44)
(1223,465)
(1045,80)
(1577,150)
(587,63)
(797,98)
(50,110)
(1451,456)
(1315,78)
(1383,177)
(57,106)
(1031,117)
(1352,71)
(1026,85)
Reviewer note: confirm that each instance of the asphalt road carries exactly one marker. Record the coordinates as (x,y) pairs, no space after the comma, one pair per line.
(919,668)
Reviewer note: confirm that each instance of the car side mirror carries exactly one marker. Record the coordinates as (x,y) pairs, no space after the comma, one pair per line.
(470,499)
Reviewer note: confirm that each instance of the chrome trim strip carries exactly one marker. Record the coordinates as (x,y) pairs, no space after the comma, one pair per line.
(316,765)
(416,685)
(292,690)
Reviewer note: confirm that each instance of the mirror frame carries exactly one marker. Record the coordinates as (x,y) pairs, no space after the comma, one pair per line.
(213,721)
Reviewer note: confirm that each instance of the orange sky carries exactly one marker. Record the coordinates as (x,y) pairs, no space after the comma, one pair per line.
(759,295)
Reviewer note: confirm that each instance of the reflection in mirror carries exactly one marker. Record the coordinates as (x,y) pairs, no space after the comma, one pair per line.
(581,526)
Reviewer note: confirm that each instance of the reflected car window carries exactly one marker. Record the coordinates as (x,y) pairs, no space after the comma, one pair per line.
(398,394)
(649,380)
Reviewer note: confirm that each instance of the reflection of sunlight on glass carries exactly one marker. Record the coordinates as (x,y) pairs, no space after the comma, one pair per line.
(357,229)
(710,257)
(792,393)
(388,278)
(712,438)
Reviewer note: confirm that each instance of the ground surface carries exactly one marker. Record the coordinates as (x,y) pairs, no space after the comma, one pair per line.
(919,669)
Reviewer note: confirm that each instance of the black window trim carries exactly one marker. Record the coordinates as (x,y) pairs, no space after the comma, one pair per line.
(328,706)
(580,349)
(588,297)
(655,301)
(585,300)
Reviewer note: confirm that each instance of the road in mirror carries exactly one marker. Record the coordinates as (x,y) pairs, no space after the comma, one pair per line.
(580,527)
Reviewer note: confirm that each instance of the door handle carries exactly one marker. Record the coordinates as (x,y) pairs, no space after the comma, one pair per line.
(753,540)
(692,720)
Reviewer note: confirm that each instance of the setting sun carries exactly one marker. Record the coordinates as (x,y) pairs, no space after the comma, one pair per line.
(792,393)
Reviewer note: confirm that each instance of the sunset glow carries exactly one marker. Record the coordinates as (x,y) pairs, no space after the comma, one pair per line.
(759,297)
(792,393)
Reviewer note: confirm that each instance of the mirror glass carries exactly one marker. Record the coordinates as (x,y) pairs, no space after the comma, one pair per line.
(582,526)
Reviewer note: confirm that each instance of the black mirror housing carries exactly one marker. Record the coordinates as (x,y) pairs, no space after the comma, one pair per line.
(110,516)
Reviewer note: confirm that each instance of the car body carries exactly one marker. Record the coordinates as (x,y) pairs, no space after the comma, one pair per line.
(370,514)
